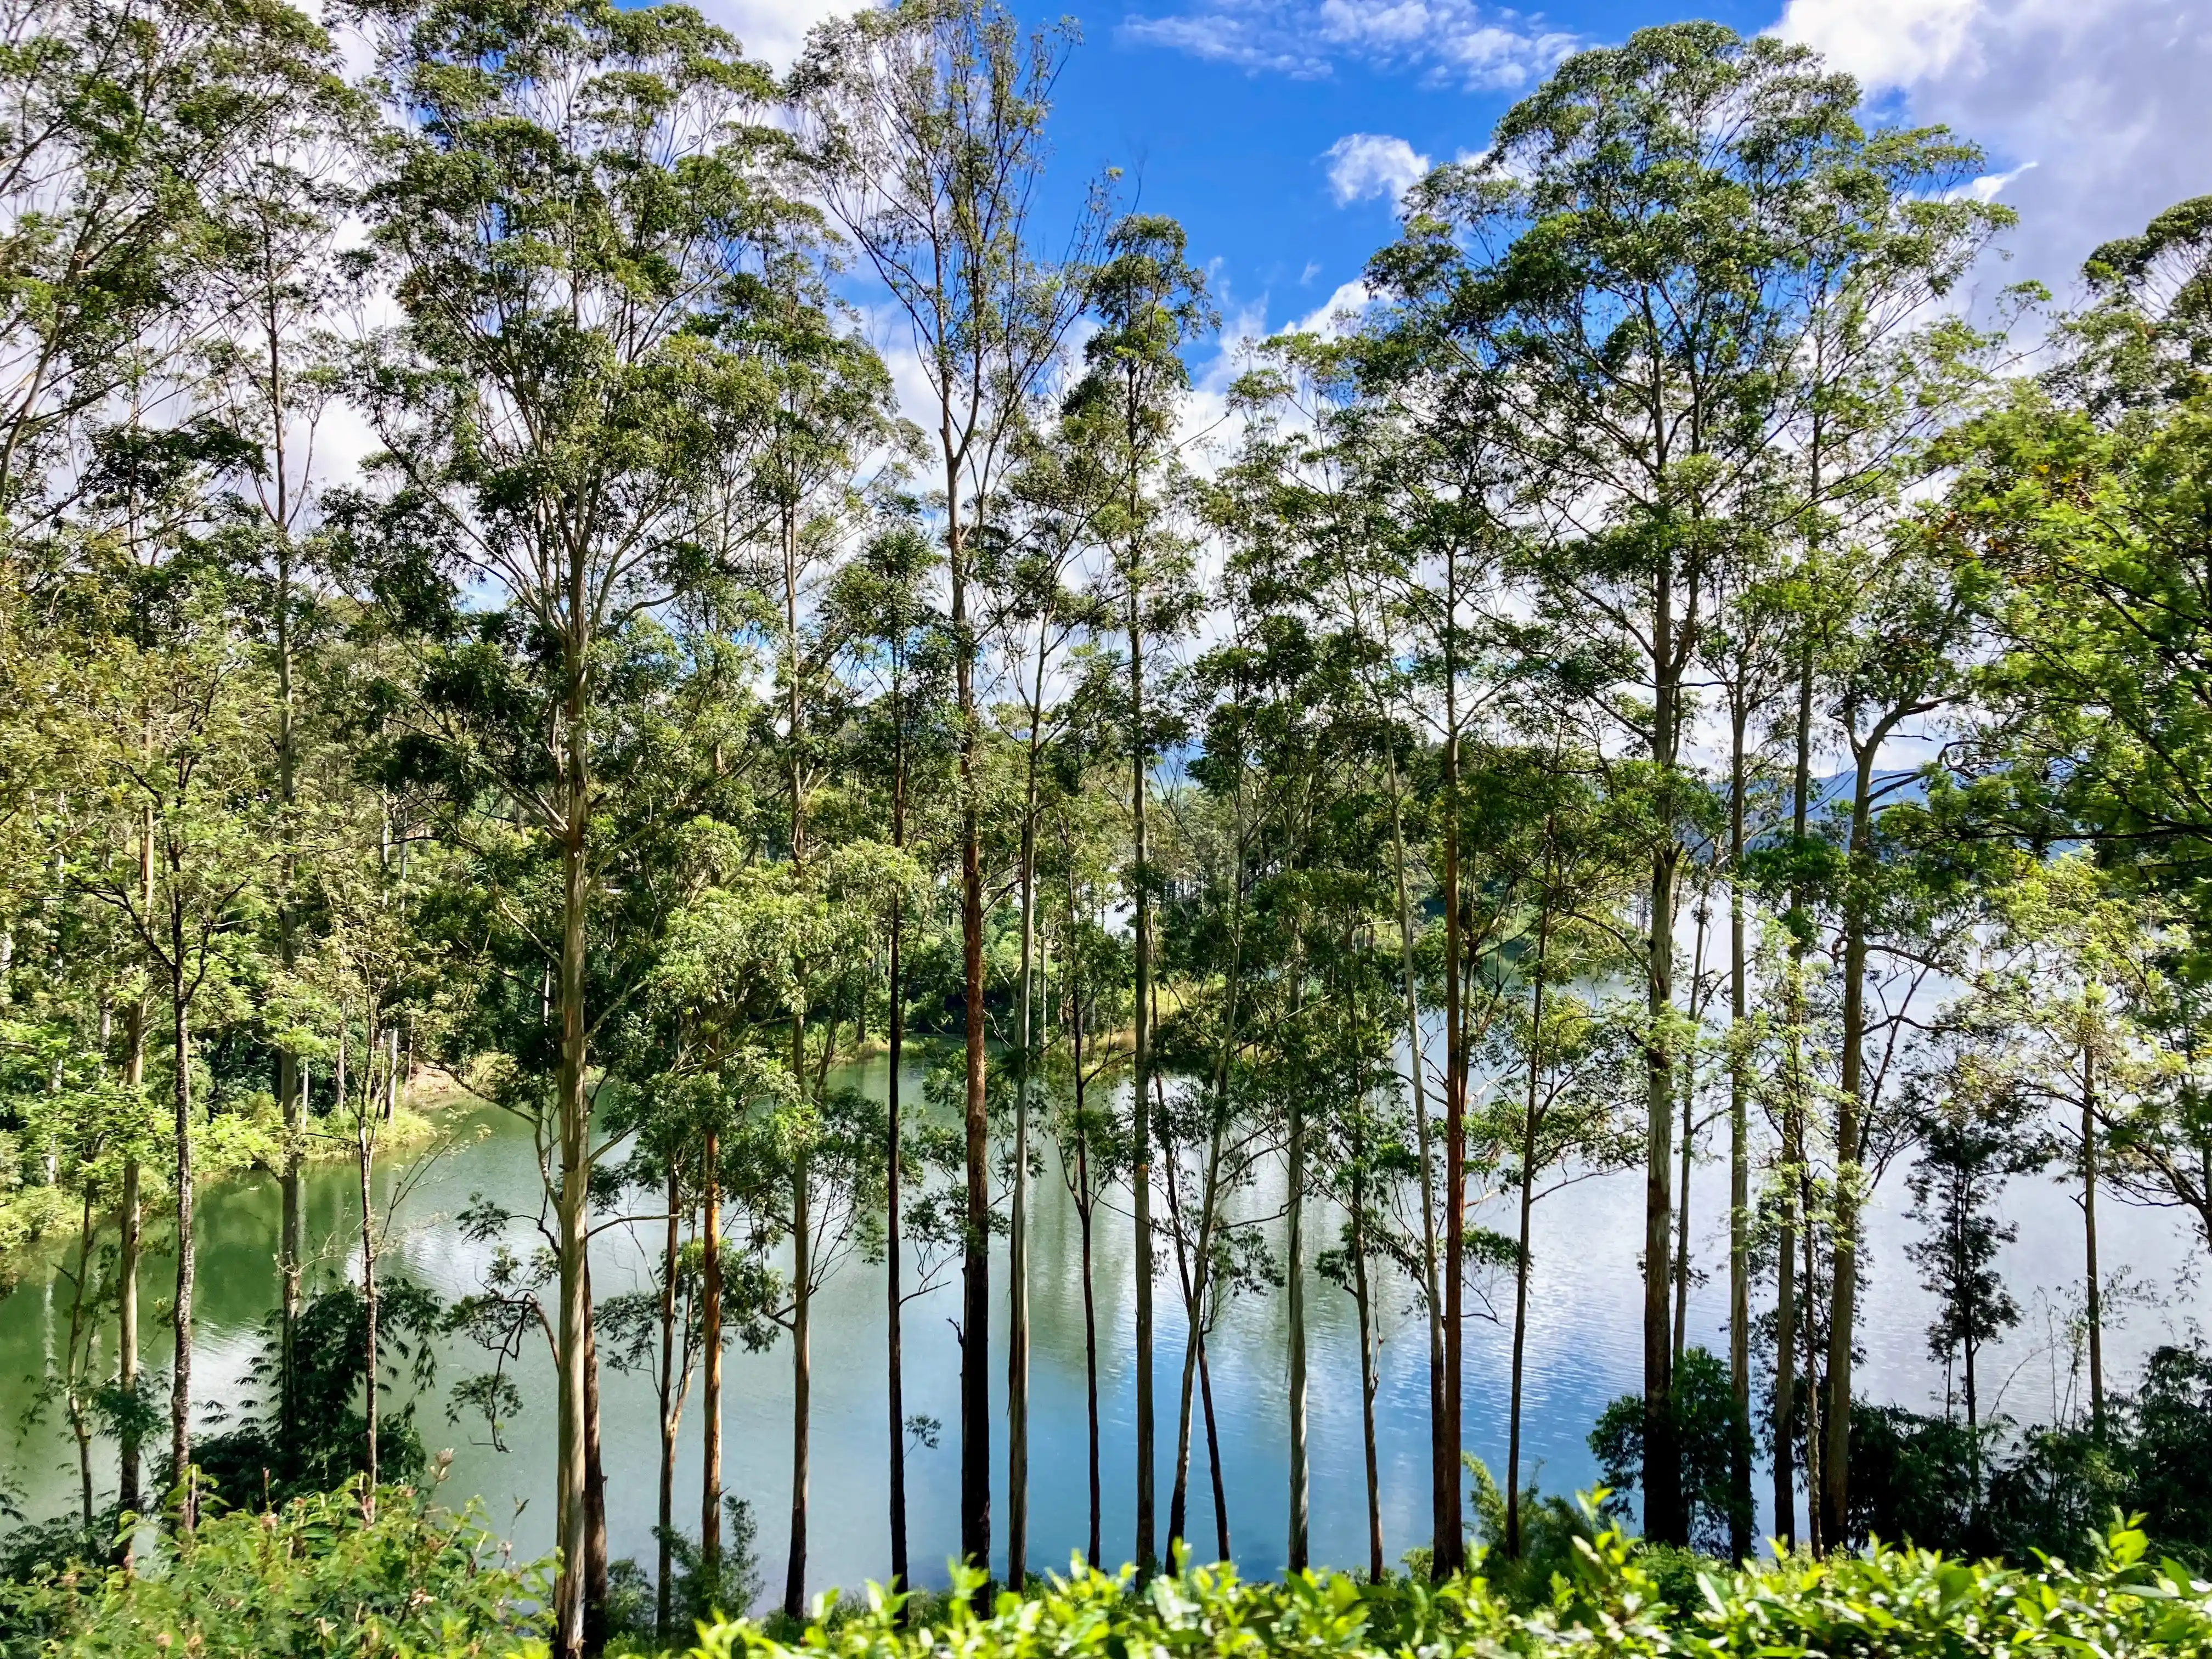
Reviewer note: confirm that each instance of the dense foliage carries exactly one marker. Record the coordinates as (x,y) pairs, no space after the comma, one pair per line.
(329,1574)
(1659,683)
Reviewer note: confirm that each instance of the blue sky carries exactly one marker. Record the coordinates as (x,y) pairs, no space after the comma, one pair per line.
(1232,114)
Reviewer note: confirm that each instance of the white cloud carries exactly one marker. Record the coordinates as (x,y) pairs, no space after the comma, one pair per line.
(774,29)
(1365,165)
(1991,185)
(2097,107)
(1447,41)
(1339,315)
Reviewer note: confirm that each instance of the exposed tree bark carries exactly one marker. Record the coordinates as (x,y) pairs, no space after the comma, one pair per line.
(181,1373)
(2092,1286)
(1415,1068)
(1793,1213)
(595,1488)
(1017,1241)
(1140,1172)
(894,1293)
(1449,1544)
(1662,1471)
(802,1377)
(364,1158)
(710,1356)
(1364,1307)
(1298,1558)
(130,1218)
(1530,1122)
(572,1103)
(672,1397)
(1739,1506)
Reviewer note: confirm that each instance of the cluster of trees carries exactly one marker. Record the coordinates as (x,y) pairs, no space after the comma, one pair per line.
(1658,684)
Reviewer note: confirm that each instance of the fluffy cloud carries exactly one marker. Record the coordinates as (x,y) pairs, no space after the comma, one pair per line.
(1364,164)
(1447,41)
(2096,108)
(774,29)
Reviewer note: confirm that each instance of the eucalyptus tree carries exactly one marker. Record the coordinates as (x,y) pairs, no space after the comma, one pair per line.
(1903,662)
(1082,834)
(553,406)
(1438,480)
(1040,614)
(1750,647)
(1213,847)
(2075,508)
(1561,1122)
(924,125)
(274,281)
(1633,248)
(122,127)
(1120,420)
(2072,996)
(1367,1155)
(896,643)
(168,732)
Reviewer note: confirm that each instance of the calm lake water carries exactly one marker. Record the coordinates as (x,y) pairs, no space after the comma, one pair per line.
(1584,1349)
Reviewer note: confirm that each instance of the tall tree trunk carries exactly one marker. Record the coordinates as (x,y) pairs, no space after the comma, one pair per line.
(181,1375)
(1415,1067)
(1222,1551)
(1298,1558)
(1140,1175)
(1529,1124)
(1663,1474)
(670,1395)
(1017,1238)
(2091,1287)
(572,1105)
(1835,1460)
(1448,1545)
(130,1218)
(1364,1307)
(975,1258)
(1815,1522)
(79,1374)
(710,1357)
(1739,1506)
(364,1157)
(596,1563)
(1083,1199)
(1683,1155)
(802,1380)
(290,1093)
(1192,1269)
(1793,1214)
(894,1284)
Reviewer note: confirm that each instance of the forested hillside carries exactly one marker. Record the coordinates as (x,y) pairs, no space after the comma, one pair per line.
(553,570)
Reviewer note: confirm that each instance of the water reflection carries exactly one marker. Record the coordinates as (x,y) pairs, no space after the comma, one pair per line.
(1583,1349)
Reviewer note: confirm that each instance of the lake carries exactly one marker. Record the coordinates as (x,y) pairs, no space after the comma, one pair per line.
(1584,1347)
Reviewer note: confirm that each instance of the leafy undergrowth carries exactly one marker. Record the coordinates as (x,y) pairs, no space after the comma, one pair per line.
(1612,1600)
(315,1577)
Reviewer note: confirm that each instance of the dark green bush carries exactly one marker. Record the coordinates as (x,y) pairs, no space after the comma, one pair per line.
(261,1459)
(1705,1430)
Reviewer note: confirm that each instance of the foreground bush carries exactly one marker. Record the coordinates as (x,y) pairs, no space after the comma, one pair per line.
(313,1577)
(1892,1602)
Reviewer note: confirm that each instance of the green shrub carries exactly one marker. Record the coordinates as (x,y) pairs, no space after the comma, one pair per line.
(1889,1604)
(314,1578)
